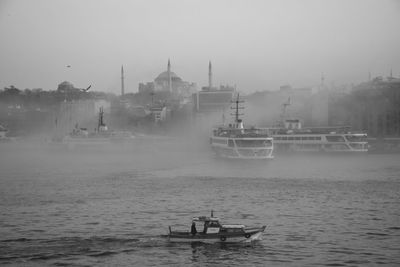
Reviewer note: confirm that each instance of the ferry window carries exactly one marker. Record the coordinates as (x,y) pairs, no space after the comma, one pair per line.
(277,138)
(252,143)
(317,138)
(356,138)
(335,138)
(297,138)
(284,138)
(290,138)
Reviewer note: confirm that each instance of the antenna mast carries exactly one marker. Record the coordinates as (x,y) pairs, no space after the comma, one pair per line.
(236,108)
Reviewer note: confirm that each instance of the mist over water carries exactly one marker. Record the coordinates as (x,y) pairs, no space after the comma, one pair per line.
(109,205)
(331,63)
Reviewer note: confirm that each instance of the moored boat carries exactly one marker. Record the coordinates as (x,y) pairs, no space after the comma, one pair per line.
(293,138)
(212,231)
(101,136)
(289,136)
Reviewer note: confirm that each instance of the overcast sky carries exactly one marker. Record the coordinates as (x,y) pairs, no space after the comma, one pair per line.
(257,45)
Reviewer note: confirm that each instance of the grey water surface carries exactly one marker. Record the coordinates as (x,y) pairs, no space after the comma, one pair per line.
(108,207)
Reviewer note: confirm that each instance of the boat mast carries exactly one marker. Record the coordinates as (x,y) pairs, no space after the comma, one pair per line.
(237,107)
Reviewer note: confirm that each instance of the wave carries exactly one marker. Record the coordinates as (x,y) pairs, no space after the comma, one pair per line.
(16,240)
(103,254)
(26,249)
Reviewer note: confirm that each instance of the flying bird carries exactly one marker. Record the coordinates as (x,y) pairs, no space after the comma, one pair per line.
(68,66)
(87,89)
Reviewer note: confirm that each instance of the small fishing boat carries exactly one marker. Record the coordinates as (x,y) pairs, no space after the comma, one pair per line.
(212,231)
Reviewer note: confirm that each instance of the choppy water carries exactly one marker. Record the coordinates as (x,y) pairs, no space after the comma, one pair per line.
(86,208)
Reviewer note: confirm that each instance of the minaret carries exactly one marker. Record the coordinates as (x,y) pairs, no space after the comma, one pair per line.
(169,76)
(209,75)
(122,81)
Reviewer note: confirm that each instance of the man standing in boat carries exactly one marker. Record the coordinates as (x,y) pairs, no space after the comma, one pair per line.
(193,229)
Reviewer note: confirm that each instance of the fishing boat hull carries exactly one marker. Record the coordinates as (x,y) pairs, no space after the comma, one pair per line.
(249,235)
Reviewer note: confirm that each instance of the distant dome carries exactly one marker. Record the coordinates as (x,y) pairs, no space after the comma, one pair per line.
(163,76)
(65,86)
(65,83)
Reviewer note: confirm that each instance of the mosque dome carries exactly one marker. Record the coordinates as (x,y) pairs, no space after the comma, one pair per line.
(163,76)
(65,86)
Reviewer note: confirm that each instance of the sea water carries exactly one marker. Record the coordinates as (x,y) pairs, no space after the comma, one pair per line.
(109,206)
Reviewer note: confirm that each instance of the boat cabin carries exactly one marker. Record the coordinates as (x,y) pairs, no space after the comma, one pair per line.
(211,225)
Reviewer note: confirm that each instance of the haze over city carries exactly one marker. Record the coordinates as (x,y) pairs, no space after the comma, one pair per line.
(255,45)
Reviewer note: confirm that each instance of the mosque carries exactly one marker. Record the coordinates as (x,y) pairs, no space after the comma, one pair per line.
(168,81)
(209,99)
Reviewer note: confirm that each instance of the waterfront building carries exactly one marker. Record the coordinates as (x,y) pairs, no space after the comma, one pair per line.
(212,99)
(376,107)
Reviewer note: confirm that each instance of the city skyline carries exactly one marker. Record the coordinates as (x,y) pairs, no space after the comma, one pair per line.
(256,45)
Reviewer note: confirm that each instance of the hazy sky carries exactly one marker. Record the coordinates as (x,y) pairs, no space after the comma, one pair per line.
(257,45)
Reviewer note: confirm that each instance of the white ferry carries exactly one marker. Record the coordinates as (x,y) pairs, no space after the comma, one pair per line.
(293,138)
(237,142)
